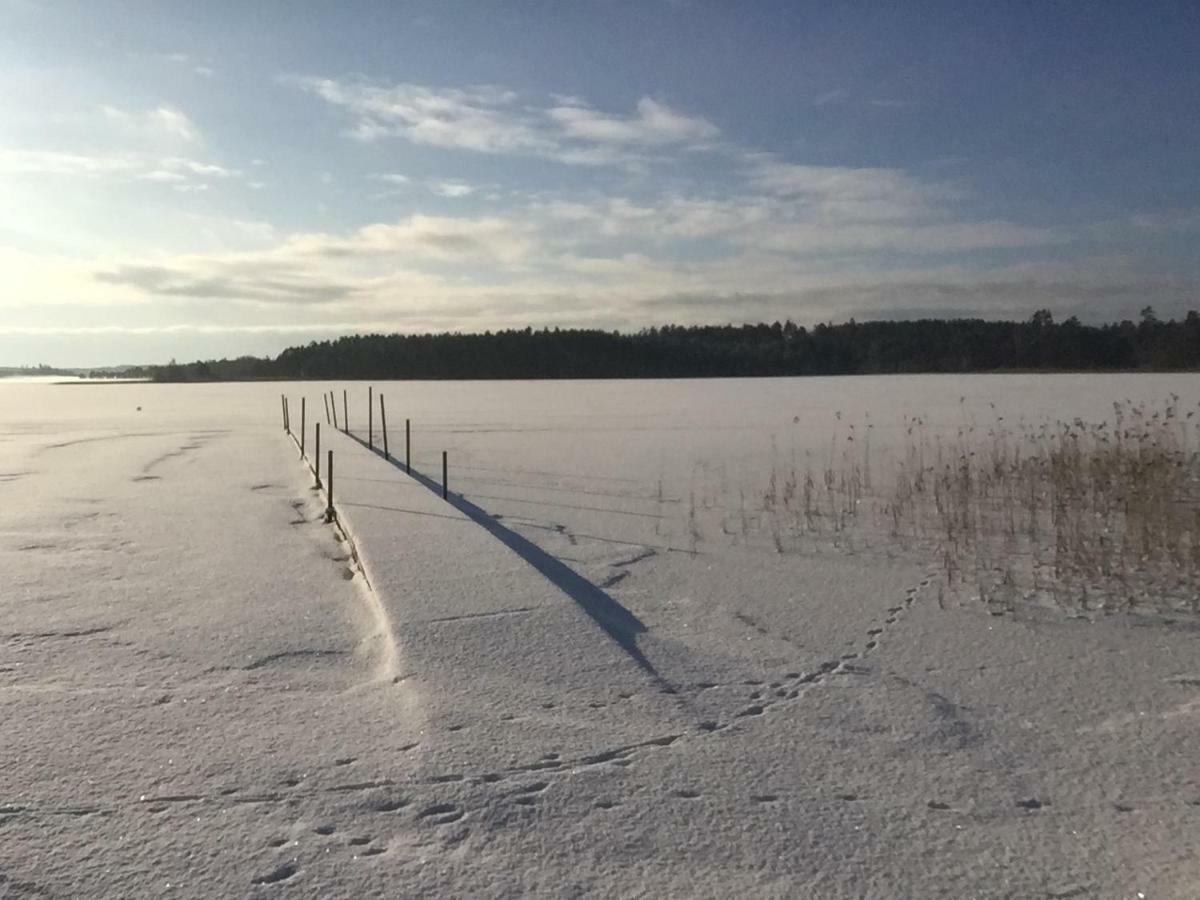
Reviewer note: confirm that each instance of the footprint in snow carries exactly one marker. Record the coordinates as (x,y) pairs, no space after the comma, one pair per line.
(441,814)
(279,873)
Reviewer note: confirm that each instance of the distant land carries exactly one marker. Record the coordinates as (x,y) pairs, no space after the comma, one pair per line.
(713,351)
(91,372)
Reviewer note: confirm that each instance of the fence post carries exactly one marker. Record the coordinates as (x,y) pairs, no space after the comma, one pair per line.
(370,418)
(302,428)
(287,416)
(329,513)
(408,446)
(445,490)
(283,409)
(345,412)
(317,456)
(333,404)
(325,397)
(383,425)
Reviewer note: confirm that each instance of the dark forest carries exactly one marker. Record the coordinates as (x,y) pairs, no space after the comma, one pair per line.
(782,348)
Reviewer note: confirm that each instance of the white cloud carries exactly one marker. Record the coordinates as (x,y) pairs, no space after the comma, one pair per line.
(868,193)
(834,96)
(321,268)
(162,122)
(453,189)
(381,275)
(672,216)
(821,210)
(50,162)
(202,169)
(163,175)
(655,124)
(173,170)
(1164,221)
(479,118)
(489,119)
(928,239)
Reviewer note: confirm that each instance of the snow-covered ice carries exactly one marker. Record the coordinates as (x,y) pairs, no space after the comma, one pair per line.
(587,674)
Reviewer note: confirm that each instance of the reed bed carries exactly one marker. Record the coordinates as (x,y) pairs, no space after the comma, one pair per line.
(1089,516)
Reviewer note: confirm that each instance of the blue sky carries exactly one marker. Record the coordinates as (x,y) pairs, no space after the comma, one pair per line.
(208,179)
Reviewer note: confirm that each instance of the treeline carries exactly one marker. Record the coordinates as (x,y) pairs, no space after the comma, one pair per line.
(672,351)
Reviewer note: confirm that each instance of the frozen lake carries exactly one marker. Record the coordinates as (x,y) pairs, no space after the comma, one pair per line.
(203,697)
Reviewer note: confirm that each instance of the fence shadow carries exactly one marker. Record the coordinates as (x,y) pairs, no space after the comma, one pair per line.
(621,625)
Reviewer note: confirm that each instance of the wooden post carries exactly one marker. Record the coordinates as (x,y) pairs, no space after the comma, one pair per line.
(302,428)
(383,425)
(325,397)
(283,409)
(445,491)
(287,419)
(345,412)
(333,404)
(408,446)
(370,418)
(317,456)
(329,513)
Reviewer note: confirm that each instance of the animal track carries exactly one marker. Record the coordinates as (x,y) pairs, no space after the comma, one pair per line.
(441,814)
(359,786)
(279,873)
(686,793)
(388,804)
(893,617)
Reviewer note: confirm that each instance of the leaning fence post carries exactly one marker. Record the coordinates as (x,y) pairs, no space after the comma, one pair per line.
(329,513)
(333,404)
(383,425)
(408,446)
(287,417)
(445,491)
(345,412)
(325,397)
(283,409)
(370,418)
(302,428)
(317,456)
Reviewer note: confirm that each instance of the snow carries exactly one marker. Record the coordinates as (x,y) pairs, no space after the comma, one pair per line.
(590,673)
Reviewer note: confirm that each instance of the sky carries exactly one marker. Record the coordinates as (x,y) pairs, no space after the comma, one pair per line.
(203,180)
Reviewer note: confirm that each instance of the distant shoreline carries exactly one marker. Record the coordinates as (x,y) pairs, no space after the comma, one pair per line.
(385,378)
(95,381)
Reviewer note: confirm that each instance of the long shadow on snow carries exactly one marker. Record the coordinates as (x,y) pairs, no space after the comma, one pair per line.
(617,622)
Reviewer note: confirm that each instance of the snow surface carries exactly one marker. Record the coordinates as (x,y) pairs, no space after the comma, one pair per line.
(588,674)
